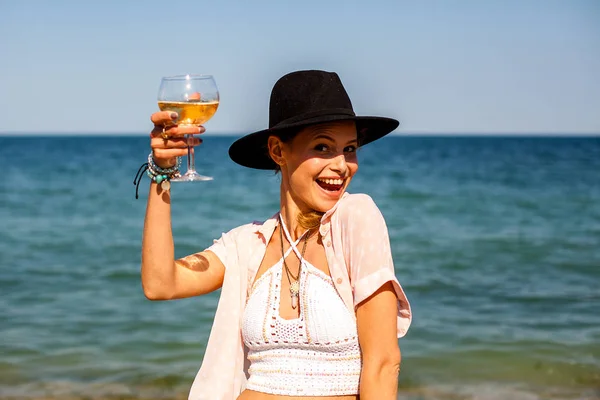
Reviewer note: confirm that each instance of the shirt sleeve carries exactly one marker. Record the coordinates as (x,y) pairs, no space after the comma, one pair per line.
(368,255)
(225,247)
(232,244)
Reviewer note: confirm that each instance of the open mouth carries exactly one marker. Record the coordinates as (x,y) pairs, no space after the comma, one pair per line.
(331,185)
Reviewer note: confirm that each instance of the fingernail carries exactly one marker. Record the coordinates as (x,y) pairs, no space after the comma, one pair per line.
(200,130)
(173,115)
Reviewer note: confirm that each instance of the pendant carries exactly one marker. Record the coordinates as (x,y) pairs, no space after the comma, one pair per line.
(294,292)
(165,185)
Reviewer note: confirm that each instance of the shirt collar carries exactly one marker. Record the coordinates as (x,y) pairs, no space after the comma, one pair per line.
(267,227)
(327,216)
(326,219)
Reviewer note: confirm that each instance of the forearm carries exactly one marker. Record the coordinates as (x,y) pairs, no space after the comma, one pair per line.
(379,381)
(158,266)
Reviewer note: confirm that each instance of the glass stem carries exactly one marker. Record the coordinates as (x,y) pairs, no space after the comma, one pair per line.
(190,158)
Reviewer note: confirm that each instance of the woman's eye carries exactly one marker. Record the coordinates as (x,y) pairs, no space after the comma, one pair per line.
(321,147)
(350,149)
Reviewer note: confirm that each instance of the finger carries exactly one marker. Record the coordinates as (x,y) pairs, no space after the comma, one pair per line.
(177,131)
(166,154)
(164,117)
(177,143)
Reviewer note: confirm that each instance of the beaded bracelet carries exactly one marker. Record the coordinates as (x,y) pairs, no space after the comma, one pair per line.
(161,176)
(163,171)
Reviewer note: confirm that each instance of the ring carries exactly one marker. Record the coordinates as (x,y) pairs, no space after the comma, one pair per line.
(164,134)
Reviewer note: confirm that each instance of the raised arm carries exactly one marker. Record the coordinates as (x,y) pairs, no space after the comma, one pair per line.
(163,277)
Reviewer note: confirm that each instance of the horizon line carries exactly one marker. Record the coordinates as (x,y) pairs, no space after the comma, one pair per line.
(240,134)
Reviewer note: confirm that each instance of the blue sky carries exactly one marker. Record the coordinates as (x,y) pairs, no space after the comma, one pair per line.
(439,66)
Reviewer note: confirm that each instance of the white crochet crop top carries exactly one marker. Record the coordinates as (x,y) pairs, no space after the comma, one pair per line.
(316,354)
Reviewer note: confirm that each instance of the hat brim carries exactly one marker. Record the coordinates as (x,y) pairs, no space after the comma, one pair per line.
(251,150)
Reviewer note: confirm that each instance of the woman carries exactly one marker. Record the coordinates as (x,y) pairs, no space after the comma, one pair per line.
(310,307)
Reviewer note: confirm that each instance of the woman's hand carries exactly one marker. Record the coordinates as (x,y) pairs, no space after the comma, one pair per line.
(167,139)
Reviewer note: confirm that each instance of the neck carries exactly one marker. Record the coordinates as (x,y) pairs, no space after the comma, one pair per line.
(289,214)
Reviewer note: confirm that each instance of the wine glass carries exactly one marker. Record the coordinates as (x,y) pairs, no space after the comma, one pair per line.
(195,98)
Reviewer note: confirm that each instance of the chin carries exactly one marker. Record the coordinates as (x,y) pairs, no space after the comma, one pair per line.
(326,197)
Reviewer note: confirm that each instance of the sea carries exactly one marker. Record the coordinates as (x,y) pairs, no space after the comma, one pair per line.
(496,241)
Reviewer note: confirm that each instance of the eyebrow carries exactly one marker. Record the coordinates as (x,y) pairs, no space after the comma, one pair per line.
(328,137)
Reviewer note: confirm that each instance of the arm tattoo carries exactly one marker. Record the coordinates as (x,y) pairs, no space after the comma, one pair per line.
(194,262)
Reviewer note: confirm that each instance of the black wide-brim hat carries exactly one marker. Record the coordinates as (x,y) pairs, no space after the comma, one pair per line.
(300,99)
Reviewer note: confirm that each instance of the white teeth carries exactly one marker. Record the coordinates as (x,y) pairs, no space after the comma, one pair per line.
(332,181)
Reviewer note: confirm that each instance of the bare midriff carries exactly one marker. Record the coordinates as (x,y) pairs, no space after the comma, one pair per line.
(252,395)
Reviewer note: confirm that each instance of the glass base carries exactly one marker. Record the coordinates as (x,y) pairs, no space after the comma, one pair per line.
(192,176)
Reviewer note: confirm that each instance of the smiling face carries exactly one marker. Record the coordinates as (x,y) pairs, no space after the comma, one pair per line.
(318,164)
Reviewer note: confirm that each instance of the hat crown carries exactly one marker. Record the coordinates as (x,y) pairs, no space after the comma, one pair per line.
(300,99)
(305,94)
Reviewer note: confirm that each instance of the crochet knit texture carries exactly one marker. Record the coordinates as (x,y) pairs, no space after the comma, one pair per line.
(316,354)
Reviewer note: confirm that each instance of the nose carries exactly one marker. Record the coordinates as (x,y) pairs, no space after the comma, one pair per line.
(339,164)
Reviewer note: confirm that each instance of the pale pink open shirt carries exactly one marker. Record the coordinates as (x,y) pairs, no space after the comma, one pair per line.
(359,256)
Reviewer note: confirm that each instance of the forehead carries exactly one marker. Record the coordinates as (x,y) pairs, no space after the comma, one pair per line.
(341,130)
